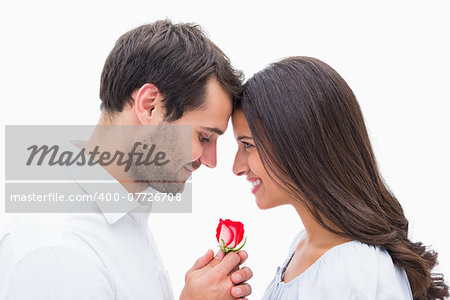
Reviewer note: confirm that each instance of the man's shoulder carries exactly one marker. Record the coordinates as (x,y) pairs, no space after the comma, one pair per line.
(52,270)
(30,233)
(38,248)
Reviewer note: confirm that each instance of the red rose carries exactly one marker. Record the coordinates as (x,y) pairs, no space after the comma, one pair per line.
(229,234)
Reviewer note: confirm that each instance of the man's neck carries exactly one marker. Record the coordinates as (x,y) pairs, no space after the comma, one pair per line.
(107,137)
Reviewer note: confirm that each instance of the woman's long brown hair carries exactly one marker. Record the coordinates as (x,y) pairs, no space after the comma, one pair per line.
(310,132)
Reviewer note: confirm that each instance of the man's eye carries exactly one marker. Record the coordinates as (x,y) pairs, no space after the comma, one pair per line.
(203,139)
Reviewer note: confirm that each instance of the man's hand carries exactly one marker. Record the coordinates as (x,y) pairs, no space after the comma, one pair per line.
(218,278)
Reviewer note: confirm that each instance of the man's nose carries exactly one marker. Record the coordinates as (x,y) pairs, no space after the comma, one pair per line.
(209,155)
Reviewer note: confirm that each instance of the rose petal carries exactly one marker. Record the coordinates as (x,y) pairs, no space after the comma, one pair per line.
(238,230)
(232,233)
(240,233)
(227,235)
(218,230)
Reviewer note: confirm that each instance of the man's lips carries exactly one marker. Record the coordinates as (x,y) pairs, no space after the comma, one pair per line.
(192,166)
(188,170)
(256,184)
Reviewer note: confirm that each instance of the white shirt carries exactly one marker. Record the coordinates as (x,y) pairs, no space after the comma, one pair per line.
(353,271)
(101,256)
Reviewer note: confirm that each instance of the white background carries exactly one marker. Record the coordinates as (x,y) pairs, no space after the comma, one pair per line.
(394,55)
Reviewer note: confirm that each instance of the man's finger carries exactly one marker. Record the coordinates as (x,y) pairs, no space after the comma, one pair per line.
(216,260)
(200,263)
(228,263)
(243,255)
(242,290)
(241,275)
(235,269)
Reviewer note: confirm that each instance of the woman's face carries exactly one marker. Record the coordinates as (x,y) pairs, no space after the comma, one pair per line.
(247,162)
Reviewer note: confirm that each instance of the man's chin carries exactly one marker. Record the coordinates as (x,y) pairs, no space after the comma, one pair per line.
(178,187)
(172,187)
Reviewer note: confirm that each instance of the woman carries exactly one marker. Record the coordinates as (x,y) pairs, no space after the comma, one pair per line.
(306,145)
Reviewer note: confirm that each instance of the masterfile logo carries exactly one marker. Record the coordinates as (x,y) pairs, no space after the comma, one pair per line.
(68,168)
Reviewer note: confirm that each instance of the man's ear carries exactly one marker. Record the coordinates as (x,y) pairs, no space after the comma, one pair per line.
(147,104)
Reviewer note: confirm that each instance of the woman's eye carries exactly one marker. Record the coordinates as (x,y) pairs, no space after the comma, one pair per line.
(246,145)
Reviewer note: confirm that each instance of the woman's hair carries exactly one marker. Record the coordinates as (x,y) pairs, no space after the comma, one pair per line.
(310,132)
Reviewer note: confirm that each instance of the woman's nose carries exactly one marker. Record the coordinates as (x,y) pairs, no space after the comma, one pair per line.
(240,165)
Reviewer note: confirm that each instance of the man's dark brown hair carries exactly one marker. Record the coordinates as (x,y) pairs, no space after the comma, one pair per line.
(177,58)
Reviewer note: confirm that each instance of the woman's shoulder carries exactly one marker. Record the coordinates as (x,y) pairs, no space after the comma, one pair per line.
(355,267)
(352,256)
(355,259)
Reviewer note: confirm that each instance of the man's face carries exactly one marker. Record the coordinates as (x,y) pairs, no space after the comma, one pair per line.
(199,128)
(208,123)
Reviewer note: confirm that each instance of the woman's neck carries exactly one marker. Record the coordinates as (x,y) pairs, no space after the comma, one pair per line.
(316,235)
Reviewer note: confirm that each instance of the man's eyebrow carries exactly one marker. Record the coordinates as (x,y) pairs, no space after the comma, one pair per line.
(213,129)
(244,137)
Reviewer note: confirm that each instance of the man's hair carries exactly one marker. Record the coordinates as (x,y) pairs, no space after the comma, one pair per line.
(177,58)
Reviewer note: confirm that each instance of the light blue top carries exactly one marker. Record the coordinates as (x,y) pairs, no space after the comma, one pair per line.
(352,270)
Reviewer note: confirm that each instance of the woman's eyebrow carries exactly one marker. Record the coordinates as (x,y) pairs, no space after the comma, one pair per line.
(244,137)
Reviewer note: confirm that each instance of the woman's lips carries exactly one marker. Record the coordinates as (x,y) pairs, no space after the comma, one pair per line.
(256,184)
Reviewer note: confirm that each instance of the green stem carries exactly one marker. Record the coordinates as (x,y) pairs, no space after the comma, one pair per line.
(235,250)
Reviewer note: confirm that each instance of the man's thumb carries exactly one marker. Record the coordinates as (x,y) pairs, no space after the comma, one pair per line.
(200,263)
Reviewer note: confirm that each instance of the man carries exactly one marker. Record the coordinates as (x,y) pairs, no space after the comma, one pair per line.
(158,74)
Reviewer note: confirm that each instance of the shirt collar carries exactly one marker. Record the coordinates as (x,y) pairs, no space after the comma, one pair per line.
(124,206)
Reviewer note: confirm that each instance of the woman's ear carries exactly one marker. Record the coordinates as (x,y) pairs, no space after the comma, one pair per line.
(147,104)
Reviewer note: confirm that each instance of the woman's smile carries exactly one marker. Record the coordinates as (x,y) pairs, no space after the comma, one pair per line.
(256,184)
